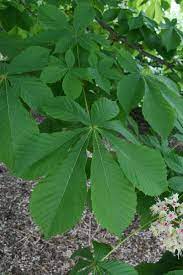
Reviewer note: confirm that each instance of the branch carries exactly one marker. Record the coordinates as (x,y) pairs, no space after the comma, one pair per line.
(117,37)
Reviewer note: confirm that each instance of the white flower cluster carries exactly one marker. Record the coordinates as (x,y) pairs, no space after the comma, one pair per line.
(169,224)
(40,2)
(2,57)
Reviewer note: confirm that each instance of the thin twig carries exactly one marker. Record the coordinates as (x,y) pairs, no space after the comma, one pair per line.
(127,238)
(132,234)
(117,37)
(90,231)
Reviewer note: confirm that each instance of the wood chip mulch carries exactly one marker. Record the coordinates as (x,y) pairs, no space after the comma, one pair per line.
(23,251)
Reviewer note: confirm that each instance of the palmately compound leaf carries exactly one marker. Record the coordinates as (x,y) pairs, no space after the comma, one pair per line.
(103,110)
(113,197)
(32,90)
(143,166)
(117,268)
(130,91)
(66,109)
(83,15)
(40,153)
(16,125)
(52,18)
(31,59)
(57,202)
(156,109)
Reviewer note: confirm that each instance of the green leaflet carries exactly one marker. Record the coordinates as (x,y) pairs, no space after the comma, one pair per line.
(16,125)
(31,59)
(64,108)
(130,91)
(69,58)
(143,208)
(179,137)
(157,110)
(83,253)
(174,162)
(117,268)
(113,197)
(171,38)
(94,262)
(13,16)
(57,202)
(176,183)
(175,272)
(166,263)
(40,153)
(154,10)
(6,42)
(100,250)
(117,126)
(86,42)
(105,66)
(65,42)
(140,21)
(82,267)
(126,61)
(44,38)
(72,86)
(81,73)
(178,126)
(103,110)
(84,259)
(93,59)
(171,95)
(52,18)
(100,80)
(168,83)
(32,90)
(53,73)
(83,15)
(144,167)
(110,15)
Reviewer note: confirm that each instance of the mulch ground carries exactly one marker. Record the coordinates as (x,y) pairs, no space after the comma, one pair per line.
(23,251)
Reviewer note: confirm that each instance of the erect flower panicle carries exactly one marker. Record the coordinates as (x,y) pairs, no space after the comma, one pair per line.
(169,224)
